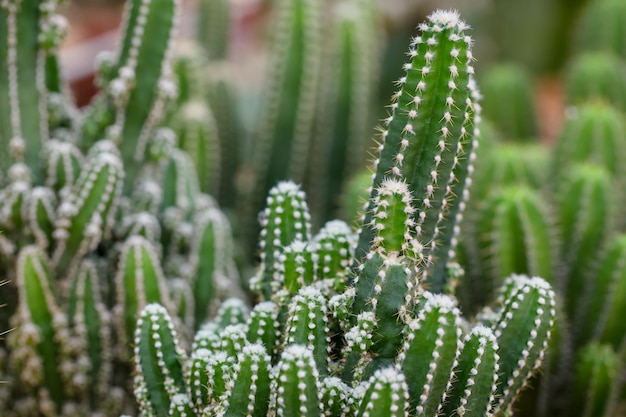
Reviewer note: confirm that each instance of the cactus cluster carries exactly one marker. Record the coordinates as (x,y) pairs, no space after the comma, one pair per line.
(356,323)
(124,292)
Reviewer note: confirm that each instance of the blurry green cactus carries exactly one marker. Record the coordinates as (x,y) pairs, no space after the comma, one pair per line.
(601,27)
(597,75)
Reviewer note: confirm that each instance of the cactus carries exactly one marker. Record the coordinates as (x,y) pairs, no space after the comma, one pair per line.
(601,27)
(434,157)
(508,101)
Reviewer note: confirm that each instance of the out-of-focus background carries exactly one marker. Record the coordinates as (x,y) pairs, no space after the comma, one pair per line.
(538,35)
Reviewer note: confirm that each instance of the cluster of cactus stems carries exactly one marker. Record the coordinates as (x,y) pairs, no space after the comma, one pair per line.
(118,253)
(555,213)
(355,323)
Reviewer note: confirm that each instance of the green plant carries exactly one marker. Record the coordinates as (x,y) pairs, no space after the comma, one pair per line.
(385,342)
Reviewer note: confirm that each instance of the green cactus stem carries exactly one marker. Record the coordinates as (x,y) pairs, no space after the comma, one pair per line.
(41,338)
(429,136)
(86,215)
(285,219)
(139,281)
(248,391)
(307,325)
(334,247)
(597,76)
(517,236)
(430,352)
(387,394)
(63,163)
(27,31)
(586,213)
(348,83)
(213,27)
(595,375)
(285,121)
(89,320)
(522,332)
(140,83)
(297,391)
(508,100)
(263,326)
(601,27)
(159,363)
(476,376)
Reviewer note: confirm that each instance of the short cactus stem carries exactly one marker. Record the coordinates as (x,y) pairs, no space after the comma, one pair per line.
(207,337)
(232,311)
(386,394)
(14,208)
(476,376)
(139,281)
(307,325)
(158,361)
(213,27)
(263,326)
(392,217)
(86,215)
(180,183)
(522,331)
(41,216)
(335,397)
(601,27)
(233,339)
(285,219)
(63,162)
(89,322)
(297,390)
(248,391)
(296,266)
(597,76)
(197,378)
(596,374)
(518,236)
(211,259)
(334,247)
(429,355)
(433,157)
(42,332)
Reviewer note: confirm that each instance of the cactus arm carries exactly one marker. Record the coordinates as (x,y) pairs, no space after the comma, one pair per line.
(232,311)
(334,246)
(158,362)
(476,375)
(41,215)
(43,327)
(86,216)
(298,387)
(263,325)
(335,397)
(522,332)
(431,112)
(296,267)
(430,352)
(248,392)
(386,395)
(307,325)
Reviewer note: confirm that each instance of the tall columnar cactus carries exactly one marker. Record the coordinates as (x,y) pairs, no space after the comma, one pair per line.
(429,136)
(136,84)
(508,101)
(345,103)
(586,207)
(283,129)
(28,31)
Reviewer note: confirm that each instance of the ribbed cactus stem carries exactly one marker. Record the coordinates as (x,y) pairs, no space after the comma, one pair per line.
(197,378)
(285,219)
(296,266)
(476,376)
(263,325)
(522,331)
(334,247)
(335,397)
(233,339)
(63,164)
(430,352)
(427,139)
(86,215)
(158,362)
(248,391)
(89,322)
(297,391)
(232,311)
(597,76)
(39,340)
(41,215)
(386,395)
(139,281)
(307,325)
(27,29)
